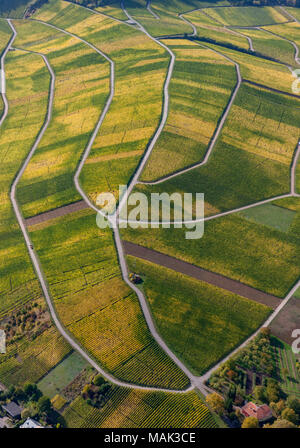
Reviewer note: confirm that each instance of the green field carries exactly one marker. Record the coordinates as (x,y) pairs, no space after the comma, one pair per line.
(272,45)
(168,23)
(200,322)
(13,8)
(270,215)
(112,8)
(58,378)
(200,89)
(246,16)
(209,28)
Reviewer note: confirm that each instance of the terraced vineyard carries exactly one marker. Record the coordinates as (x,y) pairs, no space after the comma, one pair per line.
(91,101)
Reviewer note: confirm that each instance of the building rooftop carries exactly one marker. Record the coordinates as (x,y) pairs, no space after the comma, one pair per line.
(262,412)
(31,423)
(12,408)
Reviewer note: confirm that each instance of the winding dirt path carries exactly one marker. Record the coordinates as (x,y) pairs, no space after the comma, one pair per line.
(201,274)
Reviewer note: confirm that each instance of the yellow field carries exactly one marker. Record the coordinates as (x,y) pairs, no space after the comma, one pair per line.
(136,108)
(82,86)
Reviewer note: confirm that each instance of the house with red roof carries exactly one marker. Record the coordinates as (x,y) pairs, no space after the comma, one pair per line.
(262,413)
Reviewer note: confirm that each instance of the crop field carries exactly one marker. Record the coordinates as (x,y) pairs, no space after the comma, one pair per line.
(5,34)
(82,86)
(200,89)
(113,8)
(95,305)
(133,89)
(272,45)
(210,321)
(136,108)
(251,160)
(289,31)
(256,255)
(270,74)
(293,11)
(209,28)
(286,365)
(135,409)
(168,22)
(27,92)
(246,16)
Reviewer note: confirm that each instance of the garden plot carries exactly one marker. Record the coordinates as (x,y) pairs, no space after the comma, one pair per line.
(62,375)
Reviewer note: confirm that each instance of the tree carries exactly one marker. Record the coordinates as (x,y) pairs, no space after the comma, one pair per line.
(216,402)
(250,422)
(290,415)
(294,403)
(228,404)
(32,391)
(87,391)
(259,393)
(98,380)
(25,413)
(281,423)
(44,405)
(278,407)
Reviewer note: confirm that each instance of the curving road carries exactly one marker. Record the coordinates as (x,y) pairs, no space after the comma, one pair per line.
(148,6)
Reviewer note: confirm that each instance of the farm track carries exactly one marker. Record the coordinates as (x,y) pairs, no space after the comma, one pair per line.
(201,274)
(196,381)
(56,213)
(148,6)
